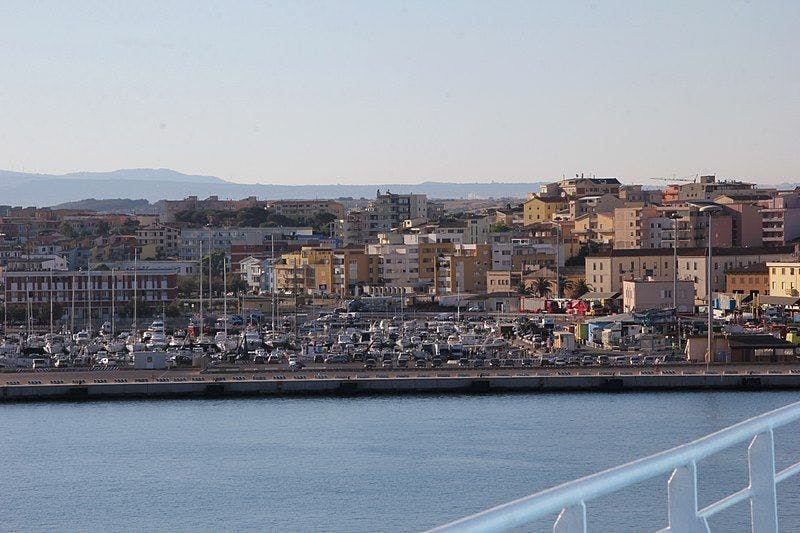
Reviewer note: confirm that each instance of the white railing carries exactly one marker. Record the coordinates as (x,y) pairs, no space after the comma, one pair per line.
(570,498)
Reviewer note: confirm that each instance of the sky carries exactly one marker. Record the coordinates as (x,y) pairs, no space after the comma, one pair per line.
(381,91)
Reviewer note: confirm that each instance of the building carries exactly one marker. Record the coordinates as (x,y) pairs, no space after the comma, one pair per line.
(742,348)
(748,279)
(542,208)
(157,241)
(780,217)
(464,269)
(222,239)
(640,295)
(95,288)
(389,210)
(212,203)
(181,268)
(606,269)
(580,186)
(708,187)
(503,280)
(352,271)
(305,209)
(784,278)
(593,204)
(252,271)
(308,271)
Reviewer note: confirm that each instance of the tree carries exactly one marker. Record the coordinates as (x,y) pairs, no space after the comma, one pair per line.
(66,230)
(542,287)
(580,287)
(499,227)
(187,286)
(522,288)
(564,285)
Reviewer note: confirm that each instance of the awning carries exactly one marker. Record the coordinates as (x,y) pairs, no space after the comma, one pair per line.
(600,296)
(778,300)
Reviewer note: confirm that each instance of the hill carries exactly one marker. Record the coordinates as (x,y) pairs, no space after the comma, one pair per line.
(27,189)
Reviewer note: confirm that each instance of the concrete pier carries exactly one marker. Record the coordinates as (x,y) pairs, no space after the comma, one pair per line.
(98,385)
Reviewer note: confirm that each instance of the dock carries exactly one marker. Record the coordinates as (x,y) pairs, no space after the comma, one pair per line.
(189,383)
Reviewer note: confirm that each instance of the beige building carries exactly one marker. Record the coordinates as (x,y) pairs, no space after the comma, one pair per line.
(307,208)
(157,241)
(542,208)
(605,271)
(784,278)
(641,295)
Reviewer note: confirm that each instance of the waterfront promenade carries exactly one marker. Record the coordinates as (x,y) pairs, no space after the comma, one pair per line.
(81,384)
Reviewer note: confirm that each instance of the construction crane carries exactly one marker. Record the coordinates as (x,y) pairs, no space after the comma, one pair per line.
(687,179)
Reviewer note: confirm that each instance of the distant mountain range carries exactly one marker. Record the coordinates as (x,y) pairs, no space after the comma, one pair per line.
(111,191)
(27,189)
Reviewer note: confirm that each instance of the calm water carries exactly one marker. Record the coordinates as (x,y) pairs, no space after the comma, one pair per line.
(361,464)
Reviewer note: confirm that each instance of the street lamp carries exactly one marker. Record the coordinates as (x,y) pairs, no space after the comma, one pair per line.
(709,210)
(675,217)
(558,256)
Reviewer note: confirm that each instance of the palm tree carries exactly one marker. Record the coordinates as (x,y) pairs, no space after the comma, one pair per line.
(564,285)
(542,287)
(522,288)
(580,287)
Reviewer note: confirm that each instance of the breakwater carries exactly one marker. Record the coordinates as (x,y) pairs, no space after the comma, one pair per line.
(45,387)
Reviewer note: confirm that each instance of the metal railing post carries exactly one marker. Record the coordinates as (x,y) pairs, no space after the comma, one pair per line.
(571,520)
(682,495)
(763,502)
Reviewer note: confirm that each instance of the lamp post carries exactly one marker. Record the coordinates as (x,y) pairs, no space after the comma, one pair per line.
(675,217)
(558,256)
(709,210)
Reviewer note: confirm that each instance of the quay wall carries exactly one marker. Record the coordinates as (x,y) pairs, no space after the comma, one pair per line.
(333,386)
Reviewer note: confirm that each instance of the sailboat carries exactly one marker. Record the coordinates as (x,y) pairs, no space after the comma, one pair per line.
(134,343)
(221,338)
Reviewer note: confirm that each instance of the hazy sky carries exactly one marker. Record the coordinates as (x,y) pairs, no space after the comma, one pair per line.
(376,91)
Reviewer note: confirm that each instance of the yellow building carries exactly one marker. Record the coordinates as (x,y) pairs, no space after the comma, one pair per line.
(784,279)
(305,272)
(542,208)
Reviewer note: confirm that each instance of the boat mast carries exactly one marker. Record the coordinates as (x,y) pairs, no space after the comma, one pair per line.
(135,290)
(200,334)
(50,287)
(225,294)
(272,281)
(113,298)
(72,314)
(210,257)
(89,297)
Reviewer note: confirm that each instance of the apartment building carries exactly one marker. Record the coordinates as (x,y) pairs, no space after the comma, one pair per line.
(593,204)
(221,239)
(542,208)
(390,210)
(306,208)
(784,278)
(307,271)
(91,288)
(747,279)
(780,218)
(580,186)
(708,187)
(463,270)
(352,270)
(157,241)
(606,270)
(212,203)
